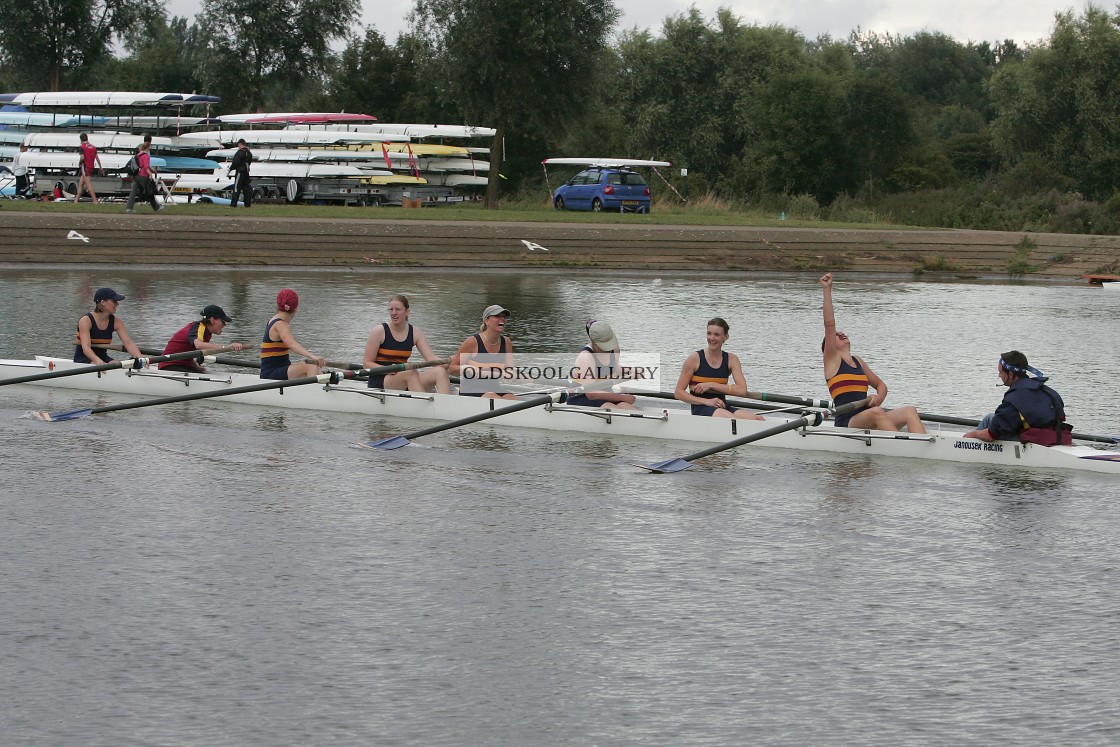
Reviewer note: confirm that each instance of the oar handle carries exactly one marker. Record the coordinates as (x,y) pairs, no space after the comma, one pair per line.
(815,418)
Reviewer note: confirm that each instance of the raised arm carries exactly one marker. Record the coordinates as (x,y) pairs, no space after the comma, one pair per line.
(830,348)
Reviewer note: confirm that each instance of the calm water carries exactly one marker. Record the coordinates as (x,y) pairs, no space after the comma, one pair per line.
(200,574)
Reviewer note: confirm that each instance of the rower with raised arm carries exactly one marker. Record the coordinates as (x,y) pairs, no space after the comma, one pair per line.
(710,374)
(96,329)
(278,342)
(492,342)
(849,377)
(1030,412)
(599,361)
(392,342)
(196,336)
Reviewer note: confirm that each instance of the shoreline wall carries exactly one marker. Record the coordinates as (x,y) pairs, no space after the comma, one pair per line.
(245,240)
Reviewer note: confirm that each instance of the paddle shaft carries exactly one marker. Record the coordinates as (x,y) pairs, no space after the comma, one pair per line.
(537,401)
(822,404)
(811,419)
(972,423)
(229,361)
(130,363)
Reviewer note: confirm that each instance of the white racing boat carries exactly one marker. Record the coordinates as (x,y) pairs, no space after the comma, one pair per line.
(656,421)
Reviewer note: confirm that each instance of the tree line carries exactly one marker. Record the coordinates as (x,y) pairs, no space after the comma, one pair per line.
(922,129)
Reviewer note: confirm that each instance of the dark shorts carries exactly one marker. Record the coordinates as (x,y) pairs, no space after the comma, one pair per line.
(376,382)
(582,400)
(709,410)
(182,369)
(842,421)
(279,373)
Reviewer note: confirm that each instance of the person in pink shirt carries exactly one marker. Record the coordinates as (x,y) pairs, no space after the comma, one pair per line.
(86,162)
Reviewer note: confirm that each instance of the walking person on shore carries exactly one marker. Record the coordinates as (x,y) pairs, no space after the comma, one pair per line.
(87,159)
(144,183)
(20,171)
(240,167)
(136,190)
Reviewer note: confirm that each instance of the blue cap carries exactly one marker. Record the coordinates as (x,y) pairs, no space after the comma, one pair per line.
(106,294)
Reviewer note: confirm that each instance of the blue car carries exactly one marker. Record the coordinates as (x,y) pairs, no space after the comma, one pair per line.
(599,189)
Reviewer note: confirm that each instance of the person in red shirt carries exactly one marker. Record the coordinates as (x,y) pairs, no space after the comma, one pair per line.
(196,336)
(86,162)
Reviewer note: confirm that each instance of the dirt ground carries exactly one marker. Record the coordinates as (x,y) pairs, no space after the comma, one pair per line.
(244,240)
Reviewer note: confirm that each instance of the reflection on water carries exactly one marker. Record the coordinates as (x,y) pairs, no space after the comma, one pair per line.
(494,586)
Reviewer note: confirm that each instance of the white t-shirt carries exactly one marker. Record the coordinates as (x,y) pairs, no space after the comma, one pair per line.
(17,164)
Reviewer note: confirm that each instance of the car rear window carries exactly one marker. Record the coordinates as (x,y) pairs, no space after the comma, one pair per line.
(633,180)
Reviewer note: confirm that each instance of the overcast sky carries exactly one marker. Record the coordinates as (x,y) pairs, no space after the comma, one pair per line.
(1024,21)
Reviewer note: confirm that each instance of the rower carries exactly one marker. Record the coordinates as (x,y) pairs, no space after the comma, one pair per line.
(488,353)
(196,336)
(706,377)
(1030,412)
(278,340)
(96,329)
(392,342)
(849,377)
(598,361)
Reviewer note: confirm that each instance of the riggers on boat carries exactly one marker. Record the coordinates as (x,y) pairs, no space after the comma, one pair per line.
(655,422)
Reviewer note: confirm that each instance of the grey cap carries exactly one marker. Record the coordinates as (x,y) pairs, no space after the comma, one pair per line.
(602,335)
(495,310)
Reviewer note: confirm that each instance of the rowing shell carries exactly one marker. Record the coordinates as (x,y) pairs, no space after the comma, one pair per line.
(663,424)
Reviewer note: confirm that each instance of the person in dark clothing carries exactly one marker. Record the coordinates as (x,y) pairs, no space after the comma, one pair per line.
(1031,412)
(240,166)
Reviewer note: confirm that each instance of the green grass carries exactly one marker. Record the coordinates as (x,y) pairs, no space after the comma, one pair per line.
(511,211)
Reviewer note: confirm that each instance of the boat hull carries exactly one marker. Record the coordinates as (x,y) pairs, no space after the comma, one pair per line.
(670,424)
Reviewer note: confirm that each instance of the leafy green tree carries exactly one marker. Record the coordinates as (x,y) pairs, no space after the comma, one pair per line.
(163,56)
(516,64)
(1062,102)
(51,43)
(879,128)
(262,51)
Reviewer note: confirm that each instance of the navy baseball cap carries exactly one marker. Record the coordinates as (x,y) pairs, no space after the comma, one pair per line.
(213,311)
(107,294)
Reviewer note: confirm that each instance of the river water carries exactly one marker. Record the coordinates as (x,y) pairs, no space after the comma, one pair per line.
(207,574)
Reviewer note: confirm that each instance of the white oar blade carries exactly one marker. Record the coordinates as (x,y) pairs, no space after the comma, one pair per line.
(386,444)
(57,417)
(669,465)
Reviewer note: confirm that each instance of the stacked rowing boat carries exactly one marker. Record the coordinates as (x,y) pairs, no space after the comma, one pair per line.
(659,420)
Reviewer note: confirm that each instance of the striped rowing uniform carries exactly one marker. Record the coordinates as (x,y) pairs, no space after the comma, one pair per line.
(99,339)
(183,342)
(274,355)
(849,384)
(392,352)
(705,373)
(502,349)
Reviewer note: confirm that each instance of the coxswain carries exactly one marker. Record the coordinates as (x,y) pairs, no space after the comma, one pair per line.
(196,336)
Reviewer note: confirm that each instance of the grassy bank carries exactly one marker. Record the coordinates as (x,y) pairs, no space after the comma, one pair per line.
(665,212)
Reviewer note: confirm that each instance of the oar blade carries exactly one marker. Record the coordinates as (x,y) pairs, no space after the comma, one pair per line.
(669,465)
(58,417)
(387,444)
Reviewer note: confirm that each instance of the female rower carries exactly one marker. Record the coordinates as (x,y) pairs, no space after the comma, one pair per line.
(849,377)
(490,341)
(392,342)
(598,360)
(196,336)
(705,375)
(278,341)
(96,328)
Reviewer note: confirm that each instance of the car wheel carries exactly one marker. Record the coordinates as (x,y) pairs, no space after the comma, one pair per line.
(559,204)
(596,206)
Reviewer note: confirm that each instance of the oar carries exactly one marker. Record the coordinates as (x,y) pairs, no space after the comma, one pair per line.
(814,418)
(133,363)
(951,420)
(228,361)
(327,378)
(821,404)
(396,442)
